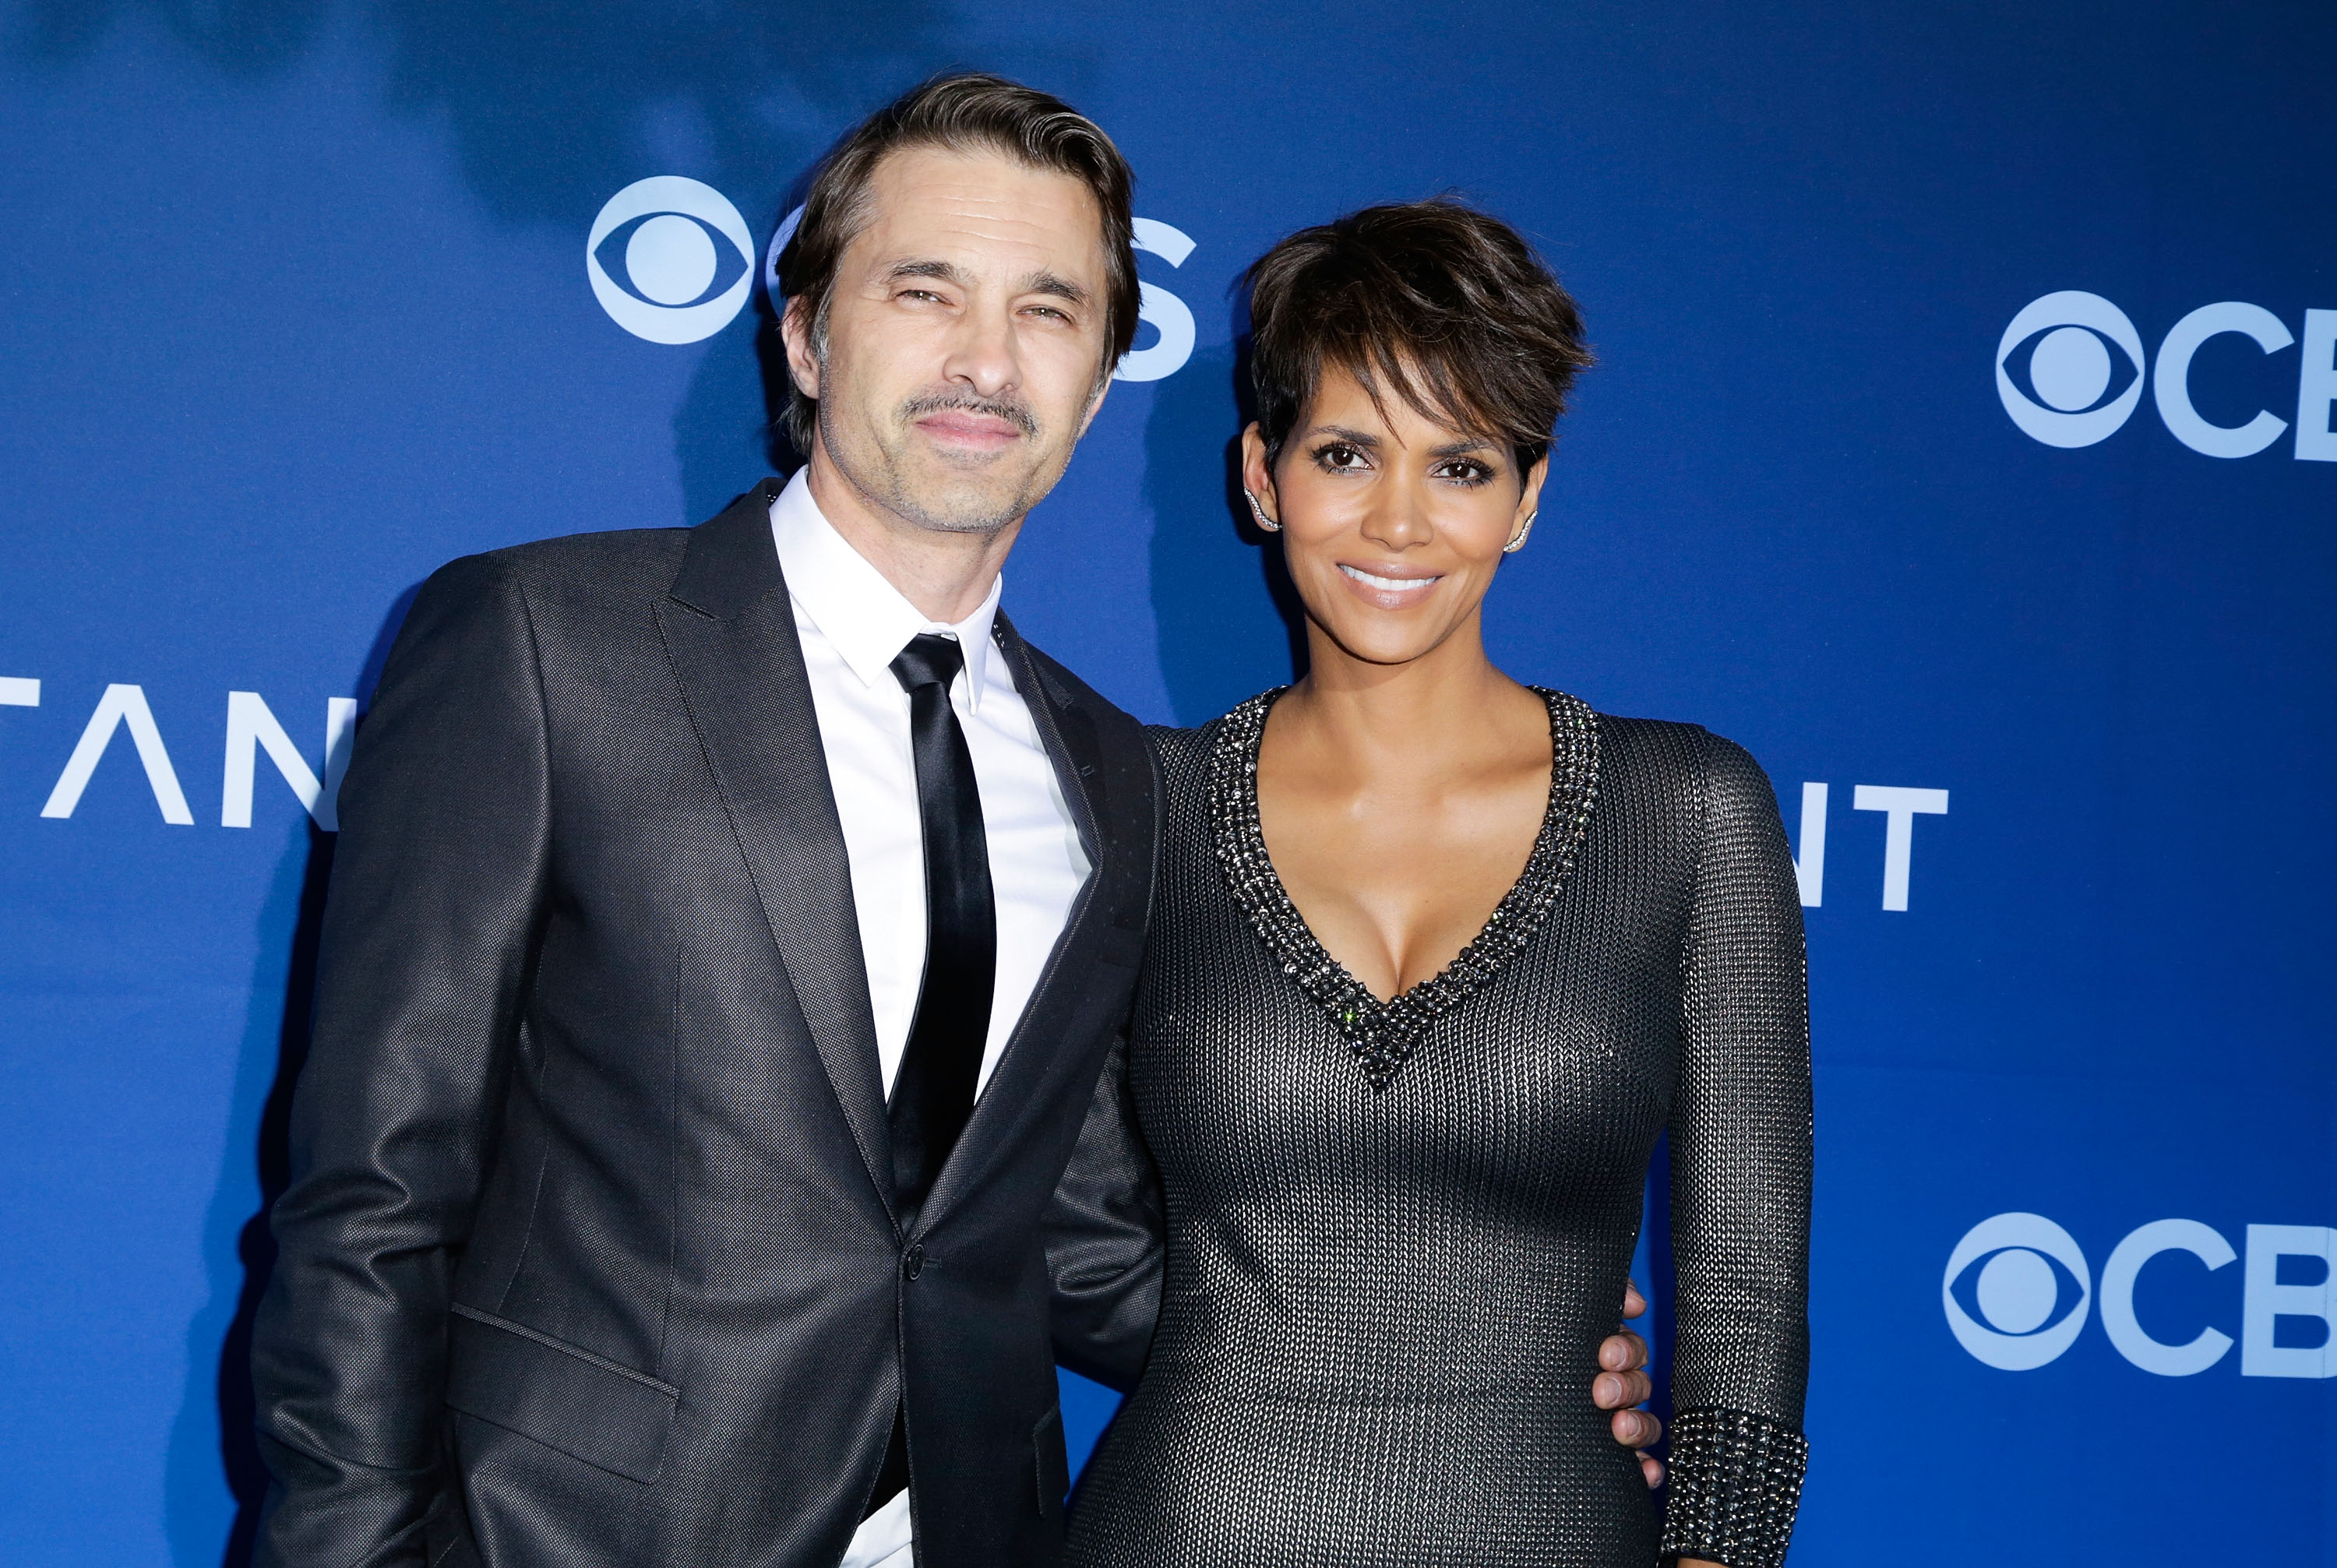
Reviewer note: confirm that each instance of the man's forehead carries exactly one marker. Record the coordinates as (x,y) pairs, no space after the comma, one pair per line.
(980,209)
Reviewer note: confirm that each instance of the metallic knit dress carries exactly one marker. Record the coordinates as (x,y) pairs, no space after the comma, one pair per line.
(1396,1234)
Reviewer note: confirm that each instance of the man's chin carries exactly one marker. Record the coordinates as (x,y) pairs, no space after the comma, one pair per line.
(967,496)
(945,504)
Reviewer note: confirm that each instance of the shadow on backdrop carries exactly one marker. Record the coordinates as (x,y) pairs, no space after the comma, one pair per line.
(212,1435)
(1229,623)
(731,428)
(545,100)
(551,109)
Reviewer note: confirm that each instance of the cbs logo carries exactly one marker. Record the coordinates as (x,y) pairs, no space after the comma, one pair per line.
(669,259)
(2071,368)
(2016,1293)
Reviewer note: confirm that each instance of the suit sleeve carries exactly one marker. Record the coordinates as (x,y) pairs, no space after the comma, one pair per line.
(1741,1168)
(1104,1239)
(430,927)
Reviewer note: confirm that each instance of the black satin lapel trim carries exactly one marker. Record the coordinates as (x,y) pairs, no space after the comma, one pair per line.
(1070,738)
(1067,733)
(730,632)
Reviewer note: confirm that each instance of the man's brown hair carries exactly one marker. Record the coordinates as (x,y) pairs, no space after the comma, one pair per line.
(969,112)
(1443,306)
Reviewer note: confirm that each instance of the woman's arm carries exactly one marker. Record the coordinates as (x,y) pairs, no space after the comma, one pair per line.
(1740,1150)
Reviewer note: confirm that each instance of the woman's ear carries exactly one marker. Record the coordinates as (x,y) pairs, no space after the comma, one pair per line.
(1257,478)
(1530,498)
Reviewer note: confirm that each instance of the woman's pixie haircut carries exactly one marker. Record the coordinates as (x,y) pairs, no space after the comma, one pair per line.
(970,112)
(1444,306)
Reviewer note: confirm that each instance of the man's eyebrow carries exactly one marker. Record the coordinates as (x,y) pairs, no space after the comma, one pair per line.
(1054,284)
(940,271)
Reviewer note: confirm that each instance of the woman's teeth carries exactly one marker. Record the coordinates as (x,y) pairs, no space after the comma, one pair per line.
(1386,585)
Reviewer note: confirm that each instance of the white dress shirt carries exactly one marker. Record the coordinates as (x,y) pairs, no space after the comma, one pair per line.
(853,624)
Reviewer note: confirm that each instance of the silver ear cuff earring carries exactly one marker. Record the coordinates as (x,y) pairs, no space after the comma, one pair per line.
(1258,512)
(1514,546)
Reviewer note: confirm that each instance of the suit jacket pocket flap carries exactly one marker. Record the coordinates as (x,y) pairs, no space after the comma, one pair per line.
(564,1398)
(1053,1465)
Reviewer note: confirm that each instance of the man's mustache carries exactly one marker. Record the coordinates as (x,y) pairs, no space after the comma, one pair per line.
(1014,414)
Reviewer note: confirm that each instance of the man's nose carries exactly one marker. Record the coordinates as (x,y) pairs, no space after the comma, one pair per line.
(981,352)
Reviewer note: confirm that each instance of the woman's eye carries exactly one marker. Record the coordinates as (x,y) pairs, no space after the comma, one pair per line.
(1465,472)
(1340,457)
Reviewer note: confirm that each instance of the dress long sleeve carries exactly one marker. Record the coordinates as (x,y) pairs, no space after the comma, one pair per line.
(1740,1172)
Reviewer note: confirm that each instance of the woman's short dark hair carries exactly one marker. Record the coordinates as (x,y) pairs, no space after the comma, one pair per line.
(1443,306)
(965,112)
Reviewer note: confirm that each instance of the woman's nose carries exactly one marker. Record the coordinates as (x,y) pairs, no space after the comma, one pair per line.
(1398,517)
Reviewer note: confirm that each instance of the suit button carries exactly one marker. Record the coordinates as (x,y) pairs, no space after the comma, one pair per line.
(912,1262)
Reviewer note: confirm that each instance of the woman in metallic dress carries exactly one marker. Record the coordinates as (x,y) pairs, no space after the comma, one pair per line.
(1436,958)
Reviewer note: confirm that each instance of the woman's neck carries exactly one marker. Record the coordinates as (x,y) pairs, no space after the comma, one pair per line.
(1442,712)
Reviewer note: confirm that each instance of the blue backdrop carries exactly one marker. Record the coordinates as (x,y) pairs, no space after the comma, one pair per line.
(1962,444)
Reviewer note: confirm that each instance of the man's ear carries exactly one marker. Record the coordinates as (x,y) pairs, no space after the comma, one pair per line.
(795,331)
(1095,406)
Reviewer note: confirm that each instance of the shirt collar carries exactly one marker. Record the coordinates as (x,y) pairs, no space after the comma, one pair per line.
(864,617)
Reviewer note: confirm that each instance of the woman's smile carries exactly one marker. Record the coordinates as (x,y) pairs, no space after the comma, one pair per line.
(1390,587)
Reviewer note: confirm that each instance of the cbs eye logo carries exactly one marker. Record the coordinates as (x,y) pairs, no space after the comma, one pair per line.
(2017,1289)
(2078,392)
(669,259)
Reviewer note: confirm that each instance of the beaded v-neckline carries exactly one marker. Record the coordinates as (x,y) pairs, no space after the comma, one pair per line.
(1383,1035)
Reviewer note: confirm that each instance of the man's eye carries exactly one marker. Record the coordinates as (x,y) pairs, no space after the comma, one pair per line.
(920,294)
(1049,310)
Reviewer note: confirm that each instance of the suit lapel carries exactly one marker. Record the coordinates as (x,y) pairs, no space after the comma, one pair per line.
(1069,735)
(729,629)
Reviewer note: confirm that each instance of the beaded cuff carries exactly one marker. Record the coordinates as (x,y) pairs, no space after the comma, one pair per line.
(1735,1485)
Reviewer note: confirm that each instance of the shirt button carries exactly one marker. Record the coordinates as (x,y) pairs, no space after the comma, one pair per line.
(912,1262)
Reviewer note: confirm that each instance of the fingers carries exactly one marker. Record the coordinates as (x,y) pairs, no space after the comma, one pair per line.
(1622,1352)
(1634,1304)
(1636,1429)
(1615,1390)
(1653,1469)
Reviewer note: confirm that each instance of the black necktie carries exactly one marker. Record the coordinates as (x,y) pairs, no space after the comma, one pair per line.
(932,1093)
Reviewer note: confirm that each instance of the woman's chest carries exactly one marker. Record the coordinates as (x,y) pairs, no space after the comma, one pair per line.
(1556,1070)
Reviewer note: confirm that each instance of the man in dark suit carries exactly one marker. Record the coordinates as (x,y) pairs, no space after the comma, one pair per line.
(728,931)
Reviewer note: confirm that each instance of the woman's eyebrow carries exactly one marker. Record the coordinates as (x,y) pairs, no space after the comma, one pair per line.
(1353,437)
(1462,448)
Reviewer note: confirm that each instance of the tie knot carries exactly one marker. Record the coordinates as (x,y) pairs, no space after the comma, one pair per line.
(929,660)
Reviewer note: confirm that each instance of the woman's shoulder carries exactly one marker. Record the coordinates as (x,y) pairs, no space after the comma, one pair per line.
(1191,746)
(1675,757)
(1184,756)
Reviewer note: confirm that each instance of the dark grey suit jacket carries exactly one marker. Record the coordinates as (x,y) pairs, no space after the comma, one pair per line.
(588,1255)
